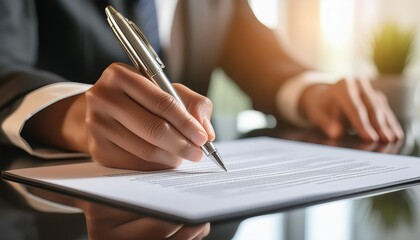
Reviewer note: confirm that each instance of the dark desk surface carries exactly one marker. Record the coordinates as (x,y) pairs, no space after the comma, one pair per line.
(393,215)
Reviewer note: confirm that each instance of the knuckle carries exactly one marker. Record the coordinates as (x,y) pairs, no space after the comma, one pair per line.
(201,106)
(158,129)
(109,76)
(110,72)
(207,103)
(189,121)
(186,149)
(148,152)
(114,69)
(165,103)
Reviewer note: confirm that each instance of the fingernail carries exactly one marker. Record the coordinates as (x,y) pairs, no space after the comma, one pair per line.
(199,138)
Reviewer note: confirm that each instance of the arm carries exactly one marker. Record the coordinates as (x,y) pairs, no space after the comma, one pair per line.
(280,86)
(112,120)
(253,58)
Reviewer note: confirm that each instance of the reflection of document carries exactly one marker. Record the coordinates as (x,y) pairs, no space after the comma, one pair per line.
(264,174)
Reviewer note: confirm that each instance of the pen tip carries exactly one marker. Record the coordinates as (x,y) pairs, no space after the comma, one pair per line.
(218,160)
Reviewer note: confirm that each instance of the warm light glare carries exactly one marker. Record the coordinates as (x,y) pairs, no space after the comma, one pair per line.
(266,11)
(337,18)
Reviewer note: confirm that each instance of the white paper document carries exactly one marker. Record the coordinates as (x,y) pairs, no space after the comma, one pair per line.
(264,175)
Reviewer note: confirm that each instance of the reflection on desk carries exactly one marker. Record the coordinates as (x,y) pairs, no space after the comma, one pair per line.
(392,215)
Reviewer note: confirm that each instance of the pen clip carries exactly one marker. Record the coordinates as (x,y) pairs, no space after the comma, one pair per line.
(146,42)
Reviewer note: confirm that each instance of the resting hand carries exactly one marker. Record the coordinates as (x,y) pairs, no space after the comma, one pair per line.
(329,107)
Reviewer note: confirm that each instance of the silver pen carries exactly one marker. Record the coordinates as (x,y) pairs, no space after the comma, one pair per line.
(148,63)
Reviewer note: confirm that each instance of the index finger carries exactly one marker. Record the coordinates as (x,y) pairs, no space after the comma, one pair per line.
(155,100)
(349,98)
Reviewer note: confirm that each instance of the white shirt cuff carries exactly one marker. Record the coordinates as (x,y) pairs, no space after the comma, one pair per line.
(288,96)
(33,103)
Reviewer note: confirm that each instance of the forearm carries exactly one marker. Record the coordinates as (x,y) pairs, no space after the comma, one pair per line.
(33,118)
(254,58)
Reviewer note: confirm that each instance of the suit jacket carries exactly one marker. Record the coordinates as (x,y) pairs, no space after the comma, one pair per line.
(47,41)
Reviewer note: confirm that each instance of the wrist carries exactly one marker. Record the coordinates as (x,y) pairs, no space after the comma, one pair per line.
(308,97)
(73,127)
(60,125)
(290,99)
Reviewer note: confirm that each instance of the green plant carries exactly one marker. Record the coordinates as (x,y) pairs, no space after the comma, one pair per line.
(394,208)
(392,48)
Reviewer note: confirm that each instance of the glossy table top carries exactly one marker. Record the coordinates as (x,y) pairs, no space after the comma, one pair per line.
(385,215)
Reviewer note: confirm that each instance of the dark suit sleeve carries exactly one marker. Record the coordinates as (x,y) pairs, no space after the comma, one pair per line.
(18,53)
(254,59)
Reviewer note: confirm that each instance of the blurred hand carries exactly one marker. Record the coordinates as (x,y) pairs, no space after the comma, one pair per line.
(354,102)
(126,121)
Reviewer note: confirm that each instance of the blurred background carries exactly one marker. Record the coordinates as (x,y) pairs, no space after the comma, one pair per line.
(329,35)
(335,36)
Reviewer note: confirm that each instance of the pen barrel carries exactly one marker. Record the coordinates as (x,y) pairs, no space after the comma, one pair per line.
(208,148)
(135,44)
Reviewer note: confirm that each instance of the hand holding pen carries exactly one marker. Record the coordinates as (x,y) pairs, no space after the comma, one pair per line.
(147,129)
(149,64)
(126,121)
